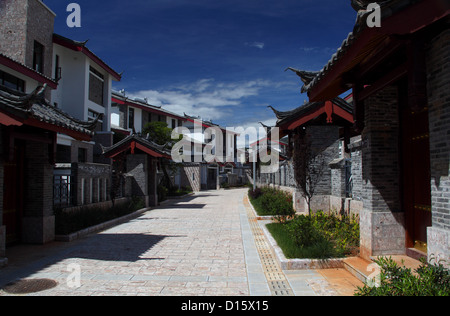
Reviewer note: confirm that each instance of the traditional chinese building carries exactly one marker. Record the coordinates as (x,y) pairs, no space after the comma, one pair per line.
(326,127)
(399,75)
(28,137)
(138,158)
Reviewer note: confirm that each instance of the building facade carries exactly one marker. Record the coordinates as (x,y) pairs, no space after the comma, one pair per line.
(398,74)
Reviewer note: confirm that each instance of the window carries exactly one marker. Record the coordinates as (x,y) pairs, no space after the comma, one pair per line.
(96,84)
(92,116)
(174,123)
(57,69)
(131,118)
(12,82)
(38,57)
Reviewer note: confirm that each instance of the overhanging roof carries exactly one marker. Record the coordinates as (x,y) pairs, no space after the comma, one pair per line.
(121,99)
(81,47)
(27,71)
(304,114)
(399,17)
(133,142)
(17,109)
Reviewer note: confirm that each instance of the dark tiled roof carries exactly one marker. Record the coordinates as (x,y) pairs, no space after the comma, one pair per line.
(305,76)
(388,8)
(284,117)
(35,106)
(147,143)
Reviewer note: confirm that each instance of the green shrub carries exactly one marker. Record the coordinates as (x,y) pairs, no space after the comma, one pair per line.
(322,249)
(87,216)
(272,202)
(429,280)
(303,231)
(320,236)
(342,230)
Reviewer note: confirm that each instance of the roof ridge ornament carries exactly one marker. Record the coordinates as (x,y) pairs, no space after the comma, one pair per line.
(305,76)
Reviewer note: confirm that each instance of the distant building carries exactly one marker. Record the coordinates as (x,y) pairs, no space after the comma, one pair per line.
(84,91)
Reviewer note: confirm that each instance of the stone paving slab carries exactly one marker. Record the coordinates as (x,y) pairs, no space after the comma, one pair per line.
(199,245)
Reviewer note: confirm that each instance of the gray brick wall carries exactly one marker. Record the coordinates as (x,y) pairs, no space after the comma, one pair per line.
(325,141)
(438,81)
(40,28)
(13,14)
(382,223)
(137,171)
(356,156)
(380,156)
(23,22)
(38,225)
(438,65)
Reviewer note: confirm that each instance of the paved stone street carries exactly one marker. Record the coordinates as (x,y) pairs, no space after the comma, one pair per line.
(199,245)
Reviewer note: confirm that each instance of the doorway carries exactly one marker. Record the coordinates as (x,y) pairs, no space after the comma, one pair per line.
(13,194)
(416,176)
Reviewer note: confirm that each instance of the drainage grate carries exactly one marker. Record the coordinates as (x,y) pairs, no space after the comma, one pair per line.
(29,286)
(278,284)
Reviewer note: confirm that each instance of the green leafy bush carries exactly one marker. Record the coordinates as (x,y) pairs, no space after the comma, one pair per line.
(87,216)
(272,202)
(318,236)
(428,280)
(343,230)
(303,231)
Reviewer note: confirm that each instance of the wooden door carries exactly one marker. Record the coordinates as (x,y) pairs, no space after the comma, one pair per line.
(416,177)
(13,196)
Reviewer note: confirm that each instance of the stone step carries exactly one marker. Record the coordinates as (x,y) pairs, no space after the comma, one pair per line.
(364,269)
(359,267)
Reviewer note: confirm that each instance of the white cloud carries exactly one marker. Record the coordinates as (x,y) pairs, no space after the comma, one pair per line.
(259,45)
(205,98)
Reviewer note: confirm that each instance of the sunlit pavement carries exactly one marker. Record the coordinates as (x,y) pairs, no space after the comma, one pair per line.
(199,245)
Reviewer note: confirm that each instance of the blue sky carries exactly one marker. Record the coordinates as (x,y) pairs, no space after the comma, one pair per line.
(221,60)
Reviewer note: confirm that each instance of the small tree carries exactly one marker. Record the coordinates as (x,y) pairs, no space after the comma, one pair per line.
(161,134)
(309,165)
(158,132)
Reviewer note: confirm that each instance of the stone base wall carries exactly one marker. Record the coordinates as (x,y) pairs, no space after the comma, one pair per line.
(190,177)
(38,230)
(439,245)
(382,233)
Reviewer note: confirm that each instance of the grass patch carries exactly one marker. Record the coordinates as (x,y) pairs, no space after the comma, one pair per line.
(320,250)
(321,236)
